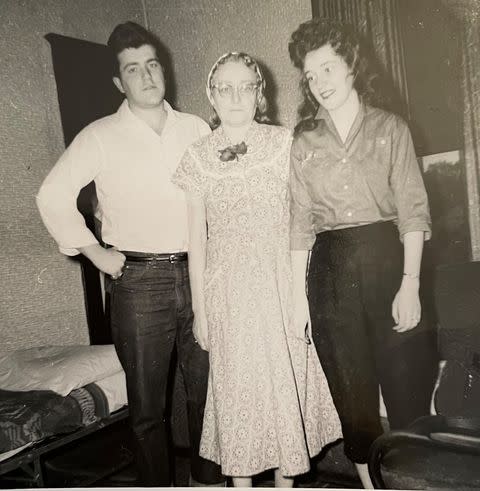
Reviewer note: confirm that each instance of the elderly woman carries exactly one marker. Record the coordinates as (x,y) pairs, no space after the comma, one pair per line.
(356,190)
(268,403)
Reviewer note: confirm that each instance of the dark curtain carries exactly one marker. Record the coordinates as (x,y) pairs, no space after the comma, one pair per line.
(378,21)
(468,13)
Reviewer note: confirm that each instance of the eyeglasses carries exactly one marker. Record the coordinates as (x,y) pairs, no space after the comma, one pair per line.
(243,90)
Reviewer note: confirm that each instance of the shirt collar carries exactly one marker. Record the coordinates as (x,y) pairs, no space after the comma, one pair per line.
(126,115)
(322,113)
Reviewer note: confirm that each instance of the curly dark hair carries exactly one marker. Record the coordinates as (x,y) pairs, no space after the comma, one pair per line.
(131,35)
(318,32)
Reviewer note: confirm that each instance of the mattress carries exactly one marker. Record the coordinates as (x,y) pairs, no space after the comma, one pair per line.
(114,388)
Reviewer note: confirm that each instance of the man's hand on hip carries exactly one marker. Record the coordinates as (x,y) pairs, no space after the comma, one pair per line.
(110,261)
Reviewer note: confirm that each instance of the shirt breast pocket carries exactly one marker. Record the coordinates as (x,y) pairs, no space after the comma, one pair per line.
(376,165)
(319,168)
(317,158)
(382,150)
(376,154)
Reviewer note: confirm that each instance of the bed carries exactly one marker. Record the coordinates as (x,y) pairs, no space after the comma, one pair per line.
(51,397)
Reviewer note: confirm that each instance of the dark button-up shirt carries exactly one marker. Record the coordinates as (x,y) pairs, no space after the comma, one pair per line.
(372,177)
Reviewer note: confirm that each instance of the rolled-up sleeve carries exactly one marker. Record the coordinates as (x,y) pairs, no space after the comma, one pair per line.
(407,185)
(302,236)
(57,197)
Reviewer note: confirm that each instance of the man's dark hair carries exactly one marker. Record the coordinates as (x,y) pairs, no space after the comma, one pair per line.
(130,35)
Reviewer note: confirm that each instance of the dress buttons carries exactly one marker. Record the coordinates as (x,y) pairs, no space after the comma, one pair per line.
(345,186)
(383,141)
(349,213)
(344,161)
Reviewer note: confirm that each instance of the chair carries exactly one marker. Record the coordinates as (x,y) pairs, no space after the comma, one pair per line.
(443,450)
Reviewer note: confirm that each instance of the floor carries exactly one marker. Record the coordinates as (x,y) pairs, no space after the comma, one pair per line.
(82,463)
(331,470)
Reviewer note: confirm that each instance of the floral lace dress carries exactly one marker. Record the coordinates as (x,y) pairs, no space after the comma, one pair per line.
(268,402)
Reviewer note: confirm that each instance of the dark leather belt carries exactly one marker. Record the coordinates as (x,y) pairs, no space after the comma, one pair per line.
(176,257)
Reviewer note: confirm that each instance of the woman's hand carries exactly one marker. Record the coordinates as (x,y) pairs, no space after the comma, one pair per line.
(301,317)
(200,329)
(406,308)
(301,313)
(197,251)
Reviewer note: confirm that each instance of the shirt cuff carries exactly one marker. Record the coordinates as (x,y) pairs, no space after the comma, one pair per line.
(301,242)
(415,226)
(72,251)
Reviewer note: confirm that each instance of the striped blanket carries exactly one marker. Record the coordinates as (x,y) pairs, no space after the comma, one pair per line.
(27,417)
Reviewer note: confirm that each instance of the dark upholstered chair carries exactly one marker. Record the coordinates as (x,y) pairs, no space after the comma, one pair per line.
(436,452)
(443,450)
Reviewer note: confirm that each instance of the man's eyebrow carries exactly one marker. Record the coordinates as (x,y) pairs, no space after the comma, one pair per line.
(132,63)
(136,63)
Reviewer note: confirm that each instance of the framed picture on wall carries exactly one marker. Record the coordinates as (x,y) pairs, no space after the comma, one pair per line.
(444,176)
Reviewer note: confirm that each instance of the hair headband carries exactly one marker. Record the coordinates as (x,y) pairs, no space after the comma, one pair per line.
(246,58)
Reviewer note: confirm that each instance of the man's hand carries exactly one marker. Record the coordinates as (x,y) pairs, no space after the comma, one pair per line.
(110,261)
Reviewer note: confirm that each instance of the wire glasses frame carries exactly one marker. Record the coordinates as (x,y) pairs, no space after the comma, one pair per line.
(246,89)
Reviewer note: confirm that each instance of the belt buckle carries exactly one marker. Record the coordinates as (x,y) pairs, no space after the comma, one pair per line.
(172,258)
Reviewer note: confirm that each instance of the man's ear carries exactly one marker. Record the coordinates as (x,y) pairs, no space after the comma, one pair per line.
(118,84)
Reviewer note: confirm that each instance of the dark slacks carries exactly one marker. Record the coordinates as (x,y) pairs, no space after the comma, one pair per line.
(151,312)
(353,277)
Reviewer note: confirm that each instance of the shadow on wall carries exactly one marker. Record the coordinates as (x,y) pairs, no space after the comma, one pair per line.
(271,93)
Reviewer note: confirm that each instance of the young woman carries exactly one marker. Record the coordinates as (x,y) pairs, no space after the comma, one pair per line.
(268,403)
(358,203)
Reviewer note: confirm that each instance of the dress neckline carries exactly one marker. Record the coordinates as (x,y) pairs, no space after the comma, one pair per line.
(252,137)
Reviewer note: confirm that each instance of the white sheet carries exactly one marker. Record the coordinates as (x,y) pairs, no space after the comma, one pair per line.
(115,389)
(57,368)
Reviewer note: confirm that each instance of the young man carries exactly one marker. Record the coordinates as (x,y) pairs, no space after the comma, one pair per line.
(131,156)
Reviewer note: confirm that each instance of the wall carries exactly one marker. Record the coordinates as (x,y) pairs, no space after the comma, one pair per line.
(432,47)
(197,32)
(41,299)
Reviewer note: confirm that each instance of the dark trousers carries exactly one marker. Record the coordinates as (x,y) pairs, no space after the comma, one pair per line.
(151,312)
(353,277)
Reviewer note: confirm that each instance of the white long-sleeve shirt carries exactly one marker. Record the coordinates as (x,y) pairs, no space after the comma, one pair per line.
(140,209)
